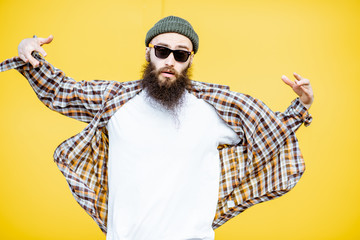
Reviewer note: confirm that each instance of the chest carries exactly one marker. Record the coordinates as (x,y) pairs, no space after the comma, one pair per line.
(142,121)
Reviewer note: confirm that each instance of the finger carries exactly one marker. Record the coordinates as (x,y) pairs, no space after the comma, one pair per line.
(32,60)
(309,95)
(303,82)
(305,90)
(41,50)
(45,40)
(22,57)
(297,76)
(287,81)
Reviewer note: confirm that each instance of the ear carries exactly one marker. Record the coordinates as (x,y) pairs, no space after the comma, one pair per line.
(147,54)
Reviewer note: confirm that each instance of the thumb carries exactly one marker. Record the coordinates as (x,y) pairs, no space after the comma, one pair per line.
(46,40)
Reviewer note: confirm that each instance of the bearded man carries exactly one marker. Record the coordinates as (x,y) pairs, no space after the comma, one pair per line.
(165,157)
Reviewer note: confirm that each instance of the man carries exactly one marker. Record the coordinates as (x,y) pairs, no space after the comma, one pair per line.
(166,157)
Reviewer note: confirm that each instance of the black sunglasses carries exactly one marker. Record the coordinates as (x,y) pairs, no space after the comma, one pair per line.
(163,52)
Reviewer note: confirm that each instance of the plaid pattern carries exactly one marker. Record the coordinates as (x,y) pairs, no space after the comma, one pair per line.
(266,164)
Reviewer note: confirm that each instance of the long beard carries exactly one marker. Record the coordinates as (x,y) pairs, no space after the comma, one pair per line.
(168,95)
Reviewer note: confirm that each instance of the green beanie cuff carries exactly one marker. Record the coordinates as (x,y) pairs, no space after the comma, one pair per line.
(173,24)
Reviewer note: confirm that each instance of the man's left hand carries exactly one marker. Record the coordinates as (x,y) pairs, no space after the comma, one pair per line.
(302,88)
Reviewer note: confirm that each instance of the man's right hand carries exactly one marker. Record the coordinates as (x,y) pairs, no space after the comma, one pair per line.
(28,45)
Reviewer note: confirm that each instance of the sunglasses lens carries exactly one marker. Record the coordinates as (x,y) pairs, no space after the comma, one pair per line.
(162,52)
(181,56)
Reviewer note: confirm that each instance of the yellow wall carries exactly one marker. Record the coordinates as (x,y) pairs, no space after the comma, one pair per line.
(246,44)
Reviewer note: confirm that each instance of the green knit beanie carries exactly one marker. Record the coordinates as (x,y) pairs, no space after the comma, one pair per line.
(173,24)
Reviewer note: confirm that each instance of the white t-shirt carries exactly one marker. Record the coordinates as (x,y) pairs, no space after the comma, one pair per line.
(164,170)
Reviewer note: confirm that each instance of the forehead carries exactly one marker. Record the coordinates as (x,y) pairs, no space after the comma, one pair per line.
(173,40)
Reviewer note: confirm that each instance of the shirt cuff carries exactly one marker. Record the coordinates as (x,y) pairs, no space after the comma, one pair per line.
(16,62)
(302,111)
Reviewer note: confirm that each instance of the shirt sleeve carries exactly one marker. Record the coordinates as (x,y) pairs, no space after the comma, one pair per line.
(267,163)
(273,162)
(295,115)
(80,100)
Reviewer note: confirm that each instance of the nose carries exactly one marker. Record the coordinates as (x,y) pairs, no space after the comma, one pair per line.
(170,60)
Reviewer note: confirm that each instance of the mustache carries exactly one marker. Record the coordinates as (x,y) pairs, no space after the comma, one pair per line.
(168,70)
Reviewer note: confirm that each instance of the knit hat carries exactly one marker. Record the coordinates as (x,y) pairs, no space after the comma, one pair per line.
(173,24)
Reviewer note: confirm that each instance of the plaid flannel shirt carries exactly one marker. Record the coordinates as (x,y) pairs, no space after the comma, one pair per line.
(266,164)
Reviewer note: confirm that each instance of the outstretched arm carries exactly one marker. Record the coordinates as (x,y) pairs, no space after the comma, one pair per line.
(80,100)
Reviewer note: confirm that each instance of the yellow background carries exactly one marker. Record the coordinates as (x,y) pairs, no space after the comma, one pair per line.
(245,44)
